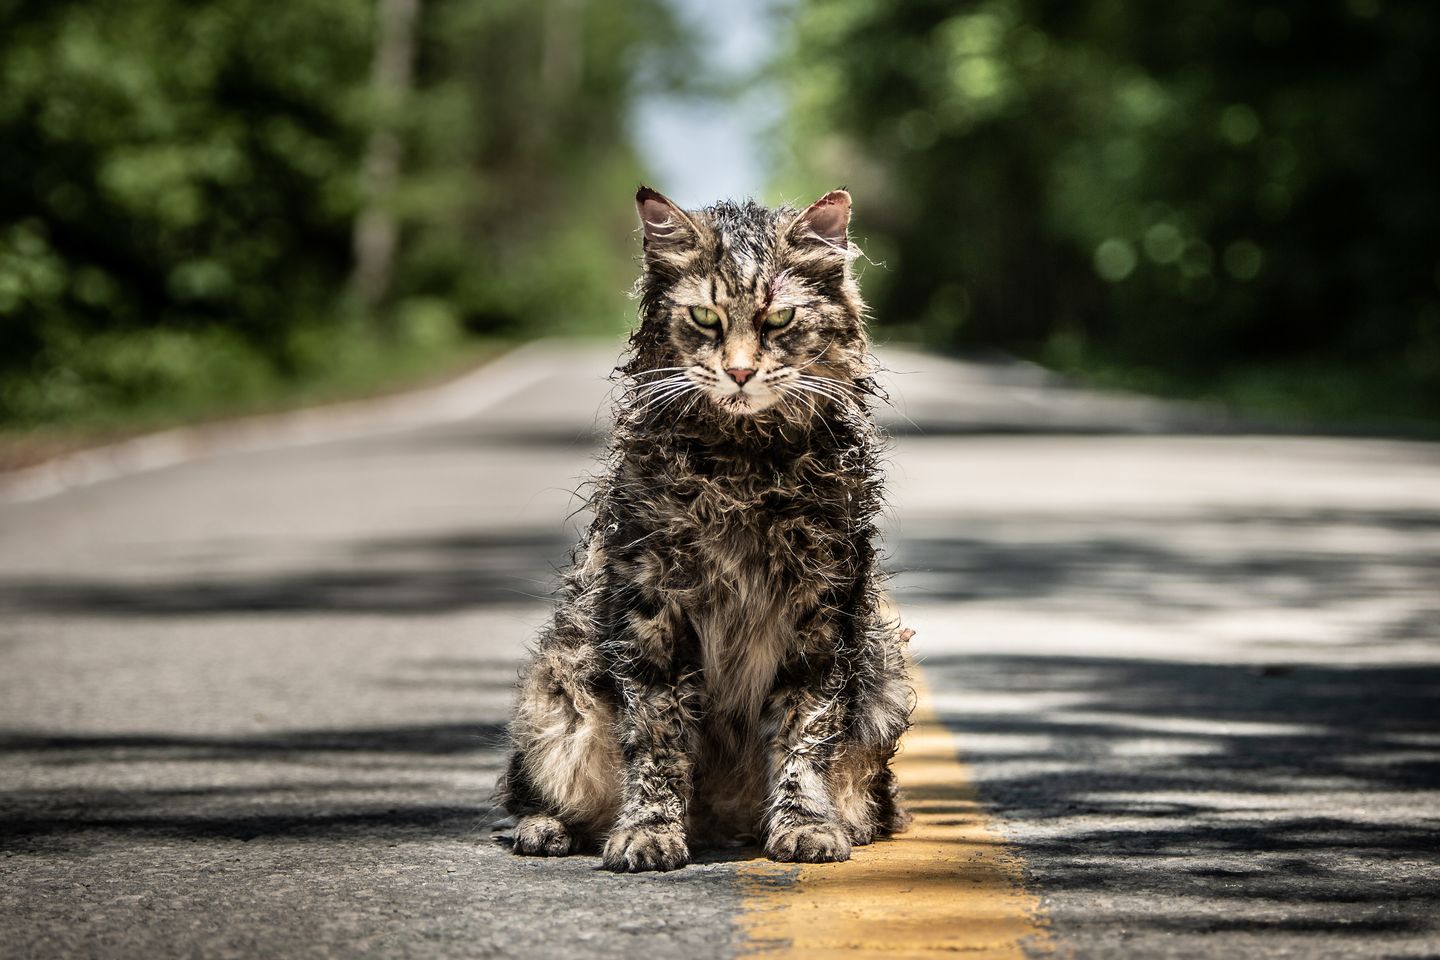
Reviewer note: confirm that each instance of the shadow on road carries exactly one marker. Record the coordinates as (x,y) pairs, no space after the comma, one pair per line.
(389,781)
(1226,787)
(397,576)
(1217,793)
(1254,559)
(1172,565)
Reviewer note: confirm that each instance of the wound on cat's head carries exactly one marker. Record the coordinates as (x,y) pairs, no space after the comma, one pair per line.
(747,311)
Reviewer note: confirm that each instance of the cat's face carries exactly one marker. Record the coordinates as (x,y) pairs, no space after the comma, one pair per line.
(754,309)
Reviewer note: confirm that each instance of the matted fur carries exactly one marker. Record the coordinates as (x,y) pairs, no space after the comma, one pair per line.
(718,666)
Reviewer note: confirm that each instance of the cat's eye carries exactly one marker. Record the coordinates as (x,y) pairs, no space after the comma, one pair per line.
(706,318)
(779,318)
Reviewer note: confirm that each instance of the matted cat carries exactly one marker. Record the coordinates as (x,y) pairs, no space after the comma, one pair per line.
(718,667)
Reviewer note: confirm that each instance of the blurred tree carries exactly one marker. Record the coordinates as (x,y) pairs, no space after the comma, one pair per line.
(175,192)
(1203,196)
(189,187)
(520,148)
(376,232)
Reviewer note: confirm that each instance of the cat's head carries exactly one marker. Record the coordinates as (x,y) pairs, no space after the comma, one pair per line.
(749,310)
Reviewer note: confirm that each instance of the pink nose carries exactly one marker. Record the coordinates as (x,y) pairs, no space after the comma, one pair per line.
(740,375)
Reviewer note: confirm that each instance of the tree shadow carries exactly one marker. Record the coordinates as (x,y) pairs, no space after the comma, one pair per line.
(1190,784)
(378,781)
(1219,783)
(407,575)
(1178,565)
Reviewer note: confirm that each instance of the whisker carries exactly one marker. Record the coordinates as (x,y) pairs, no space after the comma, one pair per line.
(836,396)
(830,381)
(645,373)
(845,399)
(654,401)
(659,396)
(663,401)
(659,385)
(672,398)
(819,414)
(671,378)
(699,395)
(818,357)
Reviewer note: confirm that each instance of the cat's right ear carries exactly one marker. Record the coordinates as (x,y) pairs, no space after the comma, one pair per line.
(666,225)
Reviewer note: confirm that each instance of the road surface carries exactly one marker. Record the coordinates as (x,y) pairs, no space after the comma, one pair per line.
(1186,682)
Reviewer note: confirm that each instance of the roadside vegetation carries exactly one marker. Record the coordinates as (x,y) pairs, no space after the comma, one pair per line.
(1203,198)
(213,206)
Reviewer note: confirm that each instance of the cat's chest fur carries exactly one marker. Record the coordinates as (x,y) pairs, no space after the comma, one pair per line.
(742,620)
(759,551)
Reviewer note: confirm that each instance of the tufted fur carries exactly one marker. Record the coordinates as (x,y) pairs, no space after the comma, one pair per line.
(718,666)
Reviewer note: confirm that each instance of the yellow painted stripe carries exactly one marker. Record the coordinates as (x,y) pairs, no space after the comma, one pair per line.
(948,885)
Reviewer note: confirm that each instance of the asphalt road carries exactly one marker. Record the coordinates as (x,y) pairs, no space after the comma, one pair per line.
(252,704)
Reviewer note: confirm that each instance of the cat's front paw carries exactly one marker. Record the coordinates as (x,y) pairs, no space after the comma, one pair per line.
(808,843)
(860,834)
(656,847)
(541,836)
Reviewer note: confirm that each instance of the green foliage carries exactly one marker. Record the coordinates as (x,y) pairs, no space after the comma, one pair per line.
(535,96)
(181,179)
(166,163)
(1190,196)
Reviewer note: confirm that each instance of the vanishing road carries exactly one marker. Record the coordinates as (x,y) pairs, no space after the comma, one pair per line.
(1183,691)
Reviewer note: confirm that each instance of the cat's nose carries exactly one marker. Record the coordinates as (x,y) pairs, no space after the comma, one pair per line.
(740,375)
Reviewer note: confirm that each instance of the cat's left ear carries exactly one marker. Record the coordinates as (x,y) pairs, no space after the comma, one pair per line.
(826,221)
(665,224)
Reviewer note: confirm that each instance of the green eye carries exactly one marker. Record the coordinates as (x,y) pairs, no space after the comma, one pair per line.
(780,318)
(708,319)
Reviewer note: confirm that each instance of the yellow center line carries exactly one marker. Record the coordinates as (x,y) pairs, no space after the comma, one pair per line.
(947,885)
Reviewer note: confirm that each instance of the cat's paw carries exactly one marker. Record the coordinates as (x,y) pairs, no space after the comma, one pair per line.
(860,834)
(808,843)
(539,835)
(656,847)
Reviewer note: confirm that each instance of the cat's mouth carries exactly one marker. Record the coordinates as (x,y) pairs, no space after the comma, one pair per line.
(743,403)
(728,392)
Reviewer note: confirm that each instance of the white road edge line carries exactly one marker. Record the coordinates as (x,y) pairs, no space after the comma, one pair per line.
(500,378)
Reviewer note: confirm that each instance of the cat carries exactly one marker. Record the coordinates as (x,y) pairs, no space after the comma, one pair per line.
(719,666)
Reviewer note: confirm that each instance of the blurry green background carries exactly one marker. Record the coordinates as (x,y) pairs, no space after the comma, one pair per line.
(219,206)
